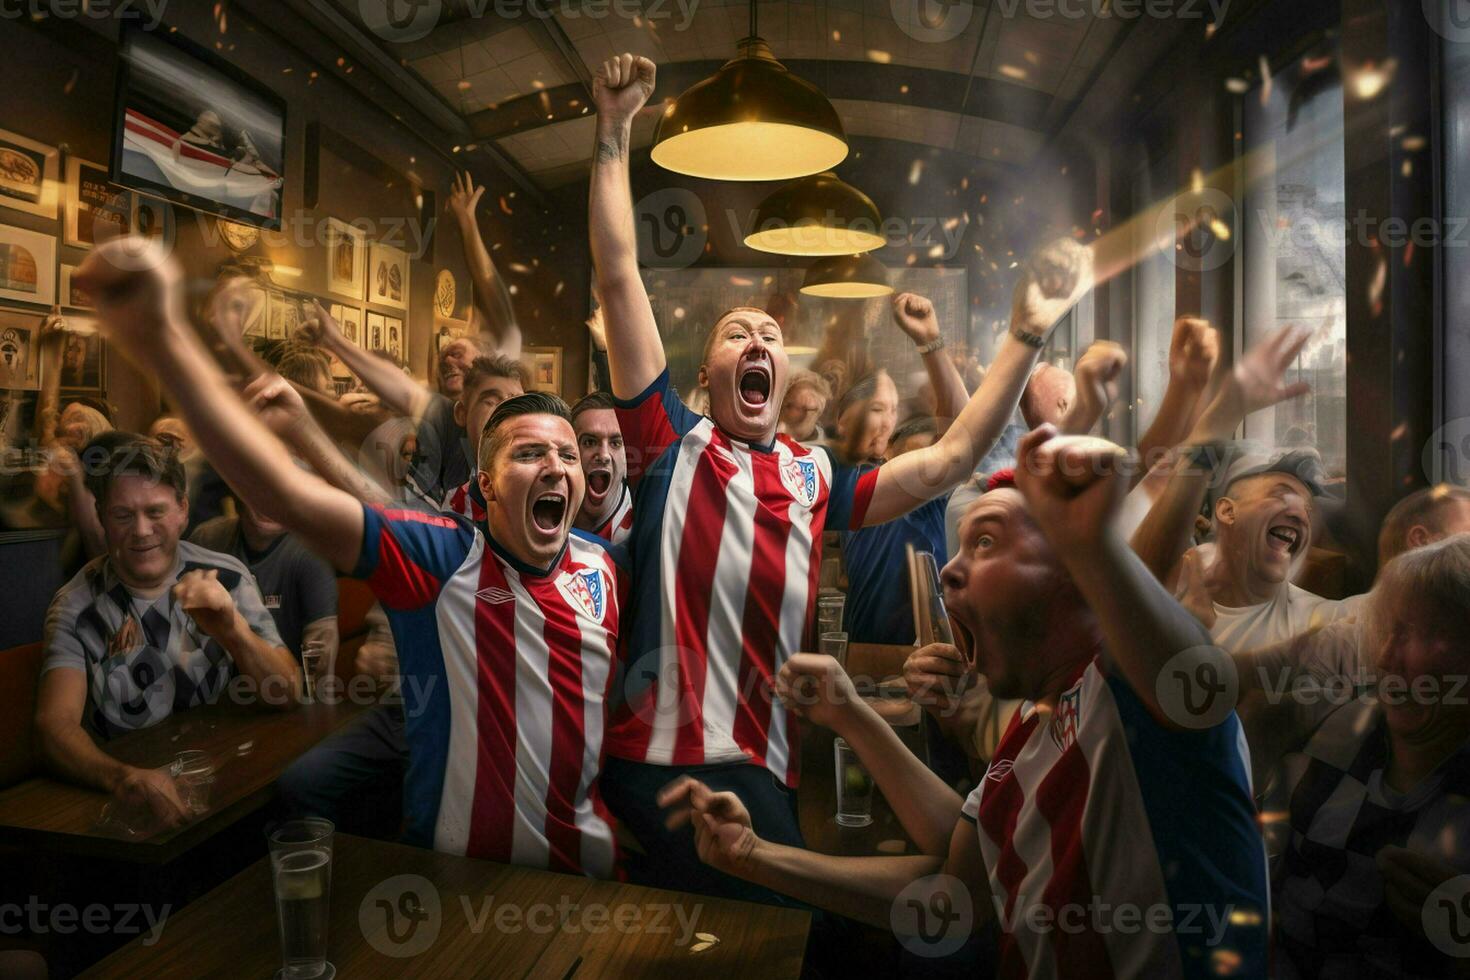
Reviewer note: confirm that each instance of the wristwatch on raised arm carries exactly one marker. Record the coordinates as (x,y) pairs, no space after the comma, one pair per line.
(936,344)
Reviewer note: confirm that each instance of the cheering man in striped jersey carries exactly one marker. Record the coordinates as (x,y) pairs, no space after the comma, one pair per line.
(728,518)
(505,630)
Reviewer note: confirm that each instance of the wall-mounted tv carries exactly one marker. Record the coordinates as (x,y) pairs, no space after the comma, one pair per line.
(194,130)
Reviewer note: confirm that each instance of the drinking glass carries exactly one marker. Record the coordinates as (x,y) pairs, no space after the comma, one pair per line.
(312,652)
(193,773)
(834,645)
(301,868)
(829,612)
(854,787)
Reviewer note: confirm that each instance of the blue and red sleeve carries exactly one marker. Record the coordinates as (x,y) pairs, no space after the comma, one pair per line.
(408,555)
(852,491)
(651,422)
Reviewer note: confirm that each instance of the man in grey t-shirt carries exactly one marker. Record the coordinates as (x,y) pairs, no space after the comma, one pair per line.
(299,588)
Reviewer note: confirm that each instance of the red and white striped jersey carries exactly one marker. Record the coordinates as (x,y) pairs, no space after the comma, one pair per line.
(466,501)
(726,547)
(506,673)
(619,524)
(1118,847)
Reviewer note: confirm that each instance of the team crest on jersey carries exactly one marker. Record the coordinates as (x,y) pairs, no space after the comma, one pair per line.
(586,590)
(800,477)
(1068,716)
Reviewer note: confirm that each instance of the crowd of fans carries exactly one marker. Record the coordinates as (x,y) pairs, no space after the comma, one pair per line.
(592,618)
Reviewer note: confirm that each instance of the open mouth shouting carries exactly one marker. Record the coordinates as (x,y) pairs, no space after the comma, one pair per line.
(548,511)
(755,381)
(599,482)
(1285,539)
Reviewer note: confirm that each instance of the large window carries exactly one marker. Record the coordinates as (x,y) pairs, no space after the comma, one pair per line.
(1153,299)
(1294,258)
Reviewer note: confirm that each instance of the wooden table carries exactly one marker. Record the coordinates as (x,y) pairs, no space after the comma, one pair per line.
(232,930)
(250,747)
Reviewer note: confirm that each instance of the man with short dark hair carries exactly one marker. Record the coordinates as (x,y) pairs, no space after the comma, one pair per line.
(607,510)
(506,630)
(155,626)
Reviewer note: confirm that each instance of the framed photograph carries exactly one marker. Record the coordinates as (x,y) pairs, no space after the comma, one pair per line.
(388,276)
(191,128)
(285,315)
(27,266)
(395,340)
(68,295)
(349,318)
(28,175)
(544,363)
(375,337)
(257,318)
(19,349)
(94,206)
(346,258)
(84,359)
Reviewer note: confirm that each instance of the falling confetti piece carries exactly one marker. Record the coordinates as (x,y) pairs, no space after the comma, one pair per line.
(504,206)
(700,947)
(1237,86)
(881,57)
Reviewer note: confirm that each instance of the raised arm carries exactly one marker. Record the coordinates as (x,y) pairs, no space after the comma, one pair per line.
(1053,282)
(491,300)
(915,317)
(137,290)
(635,353)
(1074,487)
(1194,349)
(395,389)
(1097,386)
(1253,384)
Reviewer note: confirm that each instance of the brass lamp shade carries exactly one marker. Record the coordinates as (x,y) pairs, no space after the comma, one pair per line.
(751,120)
(818,215)
(847,277)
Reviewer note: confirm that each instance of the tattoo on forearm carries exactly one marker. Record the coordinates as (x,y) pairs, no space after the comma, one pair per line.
(609,150)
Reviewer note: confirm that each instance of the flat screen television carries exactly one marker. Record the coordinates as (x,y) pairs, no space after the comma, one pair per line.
(195,130)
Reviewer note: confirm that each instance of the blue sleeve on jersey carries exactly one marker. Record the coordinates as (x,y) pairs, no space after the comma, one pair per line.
(407,555)
(846,505)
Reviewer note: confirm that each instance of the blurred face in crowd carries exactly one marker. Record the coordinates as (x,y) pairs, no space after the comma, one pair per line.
(454,361)
(745,369)
(604,462)
(866,427)
(918,440)
(142,520)
(800,411)
(475,407)
(79,424)
(172,432)
(1261,525)
(1002,593)
(1411,637)
(533,486)
(1049,392)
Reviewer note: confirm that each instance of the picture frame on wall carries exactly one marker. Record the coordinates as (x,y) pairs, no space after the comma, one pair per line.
(349,320)
(84,358)
(346,258)
(275,321)
(28,175)
(27,266)
(375,332)
(68,295)
(544,364)
(94,205)
(395,340)
(387,276)
(153,219)
(20,332)
(256,320)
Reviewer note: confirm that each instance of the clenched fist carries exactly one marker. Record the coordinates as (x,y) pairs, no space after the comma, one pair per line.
(1074,486)
(1193,350)
(207,602)
(622,87)
(1051,283)
(915,317)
